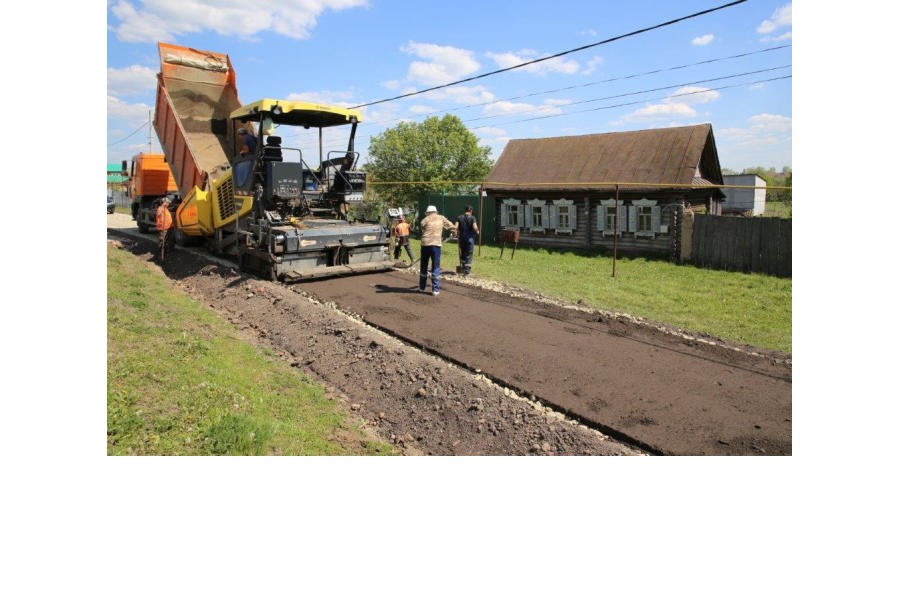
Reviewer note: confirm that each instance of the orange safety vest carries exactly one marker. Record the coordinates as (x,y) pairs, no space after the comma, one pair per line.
(402,229)
(163,218)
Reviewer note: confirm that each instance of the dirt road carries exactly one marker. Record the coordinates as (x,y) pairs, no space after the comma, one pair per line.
(646,388)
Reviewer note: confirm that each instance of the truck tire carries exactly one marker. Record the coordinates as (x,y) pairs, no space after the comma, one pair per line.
(186,241)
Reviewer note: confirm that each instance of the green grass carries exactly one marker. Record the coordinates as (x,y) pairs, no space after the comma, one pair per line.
(742,308)
(180,381)
(778,209)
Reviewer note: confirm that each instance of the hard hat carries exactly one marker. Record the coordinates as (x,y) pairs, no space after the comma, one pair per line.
(430,208)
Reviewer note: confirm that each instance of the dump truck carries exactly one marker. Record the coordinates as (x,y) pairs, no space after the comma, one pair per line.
(149,180)
(270,210)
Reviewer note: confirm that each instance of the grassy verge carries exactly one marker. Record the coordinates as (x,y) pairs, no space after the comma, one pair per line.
(180,381)
(743,308)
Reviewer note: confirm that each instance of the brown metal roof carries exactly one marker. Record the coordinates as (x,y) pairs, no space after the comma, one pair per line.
(657,158)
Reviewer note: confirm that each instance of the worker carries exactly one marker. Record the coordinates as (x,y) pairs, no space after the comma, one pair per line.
(164,227)
(433,226)
(401,237)
(247,141)
(467,228)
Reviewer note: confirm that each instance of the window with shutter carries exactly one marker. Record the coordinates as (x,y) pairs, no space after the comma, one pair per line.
(646,218)
(606,217)
(510,215)
(535,216)
(564,210)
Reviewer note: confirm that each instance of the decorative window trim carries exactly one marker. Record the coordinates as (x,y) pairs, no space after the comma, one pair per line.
(622,221)
(529,215)
(504,213)
(572,214)
(645,203)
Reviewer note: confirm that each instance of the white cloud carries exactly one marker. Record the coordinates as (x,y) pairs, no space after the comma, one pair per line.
(769,122)
(693,95)
(554,65)
(442,64)
(133,113)
(324,97)
(778,38)
(703,40)
(592,65)
(164,20)
(780,18)
(461,94)
(657,112)
(506,108)
(676,106)
(765,135)
(421,109)
(492,131)
(130,81)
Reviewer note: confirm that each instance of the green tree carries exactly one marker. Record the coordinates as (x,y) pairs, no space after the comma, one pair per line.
(424,157)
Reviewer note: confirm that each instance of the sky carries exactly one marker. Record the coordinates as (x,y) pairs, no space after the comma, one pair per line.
(730,67)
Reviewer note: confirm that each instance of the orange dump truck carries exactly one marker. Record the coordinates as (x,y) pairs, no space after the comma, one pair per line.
(247,190)
(149,181)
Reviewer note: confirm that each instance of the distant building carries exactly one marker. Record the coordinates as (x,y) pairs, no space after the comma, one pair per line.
(628,191)
(749,200)
(116,182)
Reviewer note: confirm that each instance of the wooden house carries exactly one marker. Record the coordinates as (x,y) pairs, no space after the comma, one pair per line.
(627,189)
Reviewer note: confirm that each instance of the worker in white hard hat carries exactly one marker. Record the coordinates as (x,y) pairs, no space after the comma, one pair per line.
(433,226)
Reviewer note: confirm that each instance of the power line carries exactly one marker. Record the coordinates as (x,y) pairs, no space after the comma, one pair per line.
(724,87)
(588,84)
(647,91)
(127,136)
(557,55)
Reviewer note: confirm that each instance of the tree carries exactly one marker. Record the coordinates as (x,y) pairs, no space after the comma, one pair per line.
(437,150)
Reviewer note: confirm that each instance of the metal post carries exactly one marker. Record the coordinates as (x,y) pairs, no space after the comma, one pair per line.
(615,232)
(481,195)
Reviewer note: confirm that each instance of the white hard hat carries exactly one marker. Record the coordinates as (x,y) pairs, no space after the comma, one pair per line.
(431,208)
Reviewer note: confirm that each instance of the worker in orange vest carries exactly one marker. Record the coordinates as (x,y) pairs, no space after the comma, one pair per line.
(164,227)
(401,235)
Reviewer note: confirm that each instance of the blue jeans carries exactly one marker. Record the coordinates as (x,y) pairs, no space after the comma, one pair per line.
(432,253)
(466,249)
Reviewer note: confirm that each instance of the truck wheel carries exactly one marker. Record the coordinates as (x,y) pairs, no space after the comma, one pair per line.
(184,240)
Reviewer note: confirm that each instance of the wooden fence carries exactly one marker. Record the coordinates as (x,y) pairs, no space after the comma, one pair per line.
(752,245)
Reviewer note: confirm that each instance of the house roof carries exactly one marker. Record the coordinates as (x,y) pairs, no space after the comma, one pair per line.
(114,173)
(646,160)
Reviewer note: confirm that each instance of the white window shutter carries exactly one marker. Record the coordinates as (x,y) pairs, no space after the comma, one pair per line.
(573,217)
(527,215)
(601,217)
(622,217)
(655,218)
(504,215)
(632,218)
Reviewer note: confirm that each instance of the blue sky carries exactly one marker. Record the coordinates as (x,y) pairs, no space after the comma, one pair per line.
(730,67)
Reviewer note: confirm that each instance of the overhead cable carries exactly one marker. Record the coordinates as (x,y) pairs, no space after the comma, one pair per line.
(557,55)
